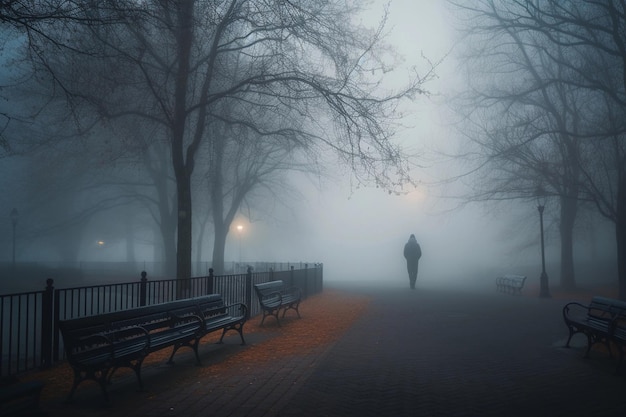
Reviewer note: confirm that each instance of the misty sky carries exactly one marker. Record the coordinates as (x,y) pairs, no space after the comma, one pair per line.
(359,234)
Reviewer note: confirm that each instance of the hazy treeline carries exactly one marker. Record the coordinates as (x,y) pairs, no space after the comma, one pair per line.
(543,111)
(142,122)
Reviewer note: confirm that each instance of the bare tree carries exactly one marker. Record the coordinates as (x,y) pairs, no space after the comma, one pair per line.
(529,118)
(585,40)
(173,57)
(594,34)
(244,164)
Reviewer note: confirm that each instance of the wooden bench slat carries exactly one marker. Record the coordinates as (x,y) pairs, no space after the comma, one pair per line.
(603,320)
(510,284)
(96,345)
(274,297)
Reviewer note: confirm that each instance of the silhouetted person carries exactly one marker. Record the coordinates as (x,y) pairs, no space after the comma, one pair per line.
(412,253)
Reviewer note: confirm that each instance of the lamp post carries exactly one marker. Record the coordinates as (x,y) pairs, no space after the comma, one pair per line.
(544,291)
(239,230)
(14,216)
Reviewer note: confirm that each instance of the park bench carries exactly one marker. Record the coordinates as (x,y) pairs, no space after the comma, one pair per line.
(95,346)
(274,296)
(618,336)
(603,320)
(510,284)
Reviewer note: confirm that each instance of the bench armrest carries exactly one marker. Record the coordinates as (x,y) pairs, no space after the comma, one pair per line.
(77,350)
(271,295)
(133,333)
(176,320)
(238,309)
(91,340)
(186,319)
(574,308)
(574,305)
(618,331)
(294,291)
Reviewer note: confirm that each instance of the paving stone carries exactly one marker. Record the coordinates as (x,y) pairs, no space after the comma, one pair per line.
(412,353)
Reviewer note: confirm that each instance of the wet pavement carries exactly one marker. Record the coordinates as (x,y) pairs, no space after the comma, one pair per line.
(410,353)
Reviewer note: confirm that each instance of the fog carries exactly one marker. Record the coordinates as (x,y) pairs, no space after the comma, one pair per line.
(358,233)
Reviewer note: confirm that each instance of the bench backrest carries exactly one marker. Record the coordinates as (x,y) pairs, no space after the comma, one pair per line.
(267,288)
(268,291)
(619,330)
(514,279)
(606,308)
(211,308)
(149,317)
(76,329)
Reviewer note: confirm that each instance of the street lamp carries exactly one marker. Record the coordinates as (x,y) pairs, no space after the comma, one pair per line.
(239,230)
(14,216)
(544,291)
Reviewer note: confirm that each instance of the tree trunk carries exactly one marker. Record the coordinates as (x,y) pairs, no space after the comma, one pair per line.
(168,235)
(219,245)
(217,210)
(182,167)
(183,249)
(130,238)
(569,208)
(620,232)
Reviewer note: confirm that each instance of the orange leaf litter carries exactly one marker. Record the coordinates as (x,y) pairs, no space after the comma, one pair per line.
(325,317)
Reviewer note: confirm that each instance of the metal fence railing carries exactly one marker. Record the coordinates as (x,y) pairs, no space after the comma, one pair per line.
(29,331)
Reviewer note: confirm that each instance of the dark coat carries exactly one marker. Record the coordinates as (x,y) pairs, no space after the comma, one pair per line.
(412,252)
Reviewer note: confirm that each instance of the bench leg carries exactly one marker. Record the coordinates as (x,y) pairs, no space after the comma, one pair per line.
(101,377)
(571,334)
(273,313)
(295,306)
(238,328)
(263,318)
(136,367)
(75,383)
(589,344)
(607,343)
(192,345)
(620,361)
(137,370)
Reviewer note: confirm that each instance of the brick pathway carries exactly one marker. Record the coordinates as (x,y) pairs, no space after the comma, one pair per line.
(411,353)
(435,353)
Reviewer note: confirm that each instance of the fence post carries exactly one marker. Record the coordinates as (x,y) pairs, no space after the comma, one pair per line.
(320,279)
(47,327)
(291,284)
(143,287)
(306,280)
(249,290)
(56,344)
(210,283)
